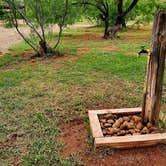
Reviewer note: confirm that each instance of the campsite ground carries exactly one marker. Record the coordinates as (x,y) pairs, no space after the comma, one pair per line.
(44,102)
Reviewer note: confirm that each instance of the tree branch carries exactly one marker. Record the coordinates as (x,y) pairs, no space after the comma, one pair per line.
(130,8)
(62,23)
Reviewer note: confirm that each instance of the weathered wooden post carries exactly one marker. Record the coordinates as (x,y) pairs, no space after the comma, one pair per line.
(155,69)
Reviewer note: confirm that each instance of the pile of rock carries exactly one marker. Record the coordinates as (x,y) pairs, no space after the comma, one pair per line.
(118,125)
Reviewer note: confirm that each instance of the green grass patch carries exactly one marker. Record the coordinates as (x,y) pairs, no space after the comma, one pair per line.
(36,96)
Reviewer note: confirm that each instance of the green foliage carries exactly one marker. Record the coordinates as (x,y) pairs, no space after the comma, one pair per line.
(50,11)
(144,11)
(38,15)
(92,12)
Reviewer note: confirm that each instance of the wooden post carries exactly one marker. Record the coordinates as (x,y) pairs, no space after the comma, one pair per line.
(155,69)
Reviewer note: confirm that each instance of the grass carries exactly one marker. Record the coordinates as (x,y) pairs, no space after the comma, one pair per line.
(38,96)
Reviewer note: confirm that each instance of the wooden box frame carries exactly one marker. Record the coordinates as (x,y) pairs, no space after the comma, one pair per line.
(121,141)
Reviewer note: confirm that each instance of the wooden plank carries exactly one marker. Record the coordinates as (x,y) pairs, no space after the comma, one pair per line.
(131,141)
(155,69)
(118,111)
(95,125)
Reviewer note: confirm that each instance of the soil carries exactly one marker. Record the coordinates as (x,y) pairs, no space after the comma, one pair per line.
(89,37)
(110,48)
(76,140)
(83,50)
(132,38)
(10,37)
(28,56)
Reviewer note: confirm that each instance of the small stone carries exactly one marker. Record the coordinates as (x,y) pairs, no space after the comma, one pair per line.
(115,117)
(130,116)
(112,131)
(131,131)
(110,121)
(137,118)
(145,130)
(107,125)
(103,120)
(104,132)
(120,120)
(131,121)
(116,130)
(125,123)
(126,118)
(149,125)
(130,125)
(116,124)
(121,133)
(137,131)
(123,126)
(139,126)
(109,116)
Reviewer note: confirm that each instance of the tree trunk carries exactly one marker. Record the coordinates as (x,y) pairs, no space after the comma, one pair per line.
(43,48)
(124,23)
(106,25)
(120,20)
(155,70)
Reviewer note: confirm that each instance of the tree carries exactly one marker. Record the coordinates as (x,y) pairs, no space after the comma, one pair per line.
(144,11)
(121,14)
(110,12)
(2,10)
(98,10)
(38,15)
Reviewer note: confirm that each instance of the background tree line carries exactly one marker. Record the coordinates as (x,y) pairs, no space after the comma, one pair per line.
(40,14)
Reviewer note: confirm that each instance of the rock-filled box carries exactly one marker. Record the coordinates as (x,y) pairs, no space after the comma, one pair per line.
(123,128)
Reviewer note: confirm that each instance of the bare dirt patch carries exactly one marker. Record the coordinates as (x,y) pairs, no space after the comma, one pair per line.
(53,59)
(109,48)
(75,138)
(83,50)
(73,134)
(133,38)
(140,30)
(131,53)
(88,37)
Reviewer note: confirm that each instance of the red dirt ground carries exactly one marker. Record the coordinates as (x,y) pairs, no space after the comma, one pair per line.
(76,141)
(109,48)
(83,50)
(56,61)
